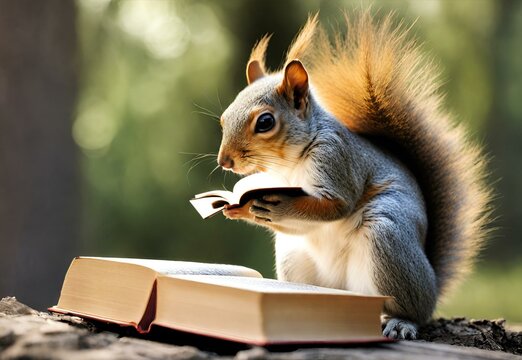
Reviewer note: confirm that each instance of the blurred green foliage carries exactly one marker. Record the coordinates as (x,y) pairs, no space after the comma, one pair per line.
(492,292)
(156,74)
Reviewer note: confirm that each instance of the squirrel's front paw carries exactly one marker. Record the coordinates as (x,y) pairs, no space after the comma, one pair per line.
(271,208)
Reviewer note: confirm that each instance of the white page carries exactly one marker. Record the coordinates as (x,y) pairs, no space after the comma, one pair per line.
(258,181)
(175,267)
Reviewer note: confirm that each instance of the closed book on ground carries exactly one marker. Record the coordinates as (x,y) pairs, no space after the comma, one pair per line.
(223,301)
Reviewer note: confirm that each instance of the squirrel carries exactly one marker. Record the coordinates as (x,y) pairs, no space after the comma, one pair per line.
(396,199)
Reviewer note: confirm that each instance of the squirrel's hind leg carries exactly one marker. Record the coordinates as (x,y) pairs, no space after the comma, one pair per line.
(396,228)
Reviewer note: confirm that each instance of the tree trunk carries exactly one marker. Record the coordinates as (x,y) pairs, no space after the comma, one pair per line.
(38,174)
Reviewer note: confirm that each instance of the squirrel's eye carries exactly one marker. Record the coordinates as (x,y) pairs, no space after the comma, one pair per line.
(265,123)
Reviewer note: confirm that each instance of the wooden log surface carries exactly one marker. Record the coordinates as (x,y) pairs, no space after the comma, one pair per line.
(28,334)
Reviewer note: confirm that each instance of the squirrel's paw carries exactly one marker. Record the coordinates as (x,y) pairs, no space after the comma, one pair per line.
(400,329)
(271,208)
(236,213)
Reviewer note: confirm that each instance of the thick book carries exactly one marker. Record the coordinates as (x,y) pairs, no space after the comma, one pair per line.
(211,202)
(221,301)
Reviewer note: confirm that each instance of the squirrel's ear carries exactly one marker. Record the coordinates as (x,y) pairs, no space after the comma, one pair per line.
(295,85)
(254,71)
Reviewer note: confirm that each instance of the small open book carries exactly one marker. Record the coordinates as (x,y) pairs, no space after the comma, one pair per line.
(211,202)
(222,301)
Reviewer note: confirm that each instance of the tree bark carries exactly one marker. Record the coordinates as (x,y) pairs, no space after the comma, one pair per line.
(38,174)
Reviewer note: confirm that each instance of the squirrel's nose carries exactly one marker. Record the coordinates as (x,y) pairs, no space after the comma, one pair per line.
(226,162)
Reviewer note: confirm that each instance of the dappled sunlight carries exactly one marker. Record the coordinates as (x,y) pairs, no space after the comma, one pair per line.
(427,9)
(156,24)
(95,126)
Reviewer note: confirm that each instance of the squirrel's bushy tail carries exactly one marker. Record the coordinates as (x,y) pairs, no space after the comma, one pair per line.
(376,82)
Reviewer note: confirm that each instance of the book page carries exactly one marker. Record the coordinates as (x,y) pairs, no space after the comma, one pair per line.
(267,285)
(168,267)
(256,182)
(208,205)
(223,194)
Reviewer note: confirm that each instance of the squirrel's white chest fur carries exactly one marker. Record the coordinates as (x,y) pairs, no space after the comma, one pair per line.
(333,254)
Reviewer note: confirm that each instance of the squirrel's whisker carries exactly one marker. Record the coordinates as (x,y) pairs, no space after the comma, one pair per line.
(198,156)
(213,170)
(206,111)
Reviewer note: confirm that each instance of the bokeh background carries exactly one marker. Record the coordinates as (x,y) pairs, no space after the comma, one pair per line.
(107,128)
